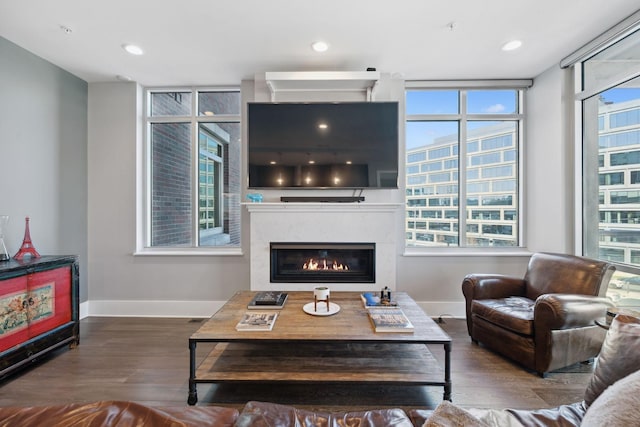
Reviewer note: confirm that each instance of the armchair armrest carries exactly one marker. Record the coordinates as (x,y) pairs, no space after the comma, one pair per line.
(564,311)
(565,329)
(491,286)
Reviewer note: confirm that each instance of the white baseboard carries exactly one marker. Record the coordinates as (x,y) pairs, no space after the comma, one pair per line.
(117,308)
(205,309)
(445,309)
(84,309)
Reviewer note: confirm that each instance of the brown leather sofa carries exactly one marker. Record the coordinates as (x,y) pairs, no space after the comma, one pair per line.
(544,321)
(619,360)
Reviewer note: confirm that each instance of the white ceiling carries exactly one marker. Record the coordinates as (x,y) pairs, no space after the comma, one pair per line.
(208,42)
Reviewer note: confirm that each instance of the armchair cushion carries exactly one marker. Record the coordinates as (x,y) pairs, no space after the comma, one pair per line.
(513,313)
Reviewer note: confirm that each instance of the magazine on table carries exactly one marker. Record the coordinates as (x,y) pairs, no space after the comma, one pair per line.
(257,321)
(389,320)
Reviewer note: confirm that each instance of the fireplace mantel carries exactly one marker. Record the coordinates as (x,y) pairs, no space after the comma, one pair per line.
(323,222)
(325,207)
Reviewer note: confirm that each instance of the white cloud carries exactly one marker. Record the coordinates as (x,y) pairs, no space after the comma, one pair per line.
(497,108)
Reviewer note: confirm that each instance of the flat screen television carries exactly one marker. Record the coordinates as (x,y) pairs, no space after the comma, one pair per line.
(323,145)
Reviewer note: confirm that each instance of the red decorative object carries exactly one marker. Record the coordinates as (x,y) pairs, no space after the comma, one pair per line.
(27,247)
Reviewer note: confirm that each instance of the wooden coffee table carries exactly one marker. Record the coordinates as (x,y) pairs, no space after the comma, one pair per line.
(305,348)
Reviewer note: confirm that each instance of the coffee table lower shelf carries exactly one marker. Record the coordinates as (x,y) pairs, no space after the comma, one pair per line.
(309,362)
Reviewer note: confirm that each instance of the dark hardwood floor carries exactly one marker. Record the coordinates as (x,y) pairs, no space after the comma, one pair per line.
(147,360)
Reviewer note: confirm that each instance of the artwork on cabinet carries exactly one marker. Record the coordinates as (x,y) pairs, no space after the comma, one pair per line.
(22,308)
(13,320)
(28,305)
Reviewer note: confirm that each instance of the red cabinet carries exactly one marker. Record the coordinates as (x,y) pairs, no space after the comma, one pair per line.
(39,309)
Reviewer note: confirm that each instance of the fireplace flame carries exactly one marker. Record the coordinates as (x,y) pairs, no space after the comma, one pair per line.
(322,264)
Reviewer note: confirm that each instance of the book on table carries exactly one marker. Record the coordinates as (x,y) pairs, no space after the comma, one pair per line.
(268,300)
(257,321)
(389,320)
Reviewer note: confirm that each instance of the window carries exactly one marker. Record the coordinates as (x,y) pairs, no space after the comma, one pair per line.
(193,169)
(614,178)
(465,142)
(611,153)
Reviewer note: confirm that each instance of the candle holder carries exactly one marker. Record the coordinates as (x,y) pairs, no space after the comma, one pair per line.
(320,294)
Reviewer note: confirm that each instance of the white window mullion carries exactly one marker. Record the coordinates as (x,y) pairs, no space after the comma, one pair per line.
(462,171)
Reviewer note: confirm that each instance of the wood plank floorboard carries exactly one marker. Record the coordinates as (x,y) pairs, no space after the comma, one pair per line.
(147,360)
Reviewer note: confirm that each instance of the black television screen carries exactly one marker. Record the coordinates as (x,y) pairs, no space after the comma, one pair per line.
(323,145)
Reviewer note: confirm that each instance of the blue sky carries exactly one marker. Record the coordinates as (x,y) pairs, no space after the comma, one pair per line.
(621,94)
(446,102)
(478,102)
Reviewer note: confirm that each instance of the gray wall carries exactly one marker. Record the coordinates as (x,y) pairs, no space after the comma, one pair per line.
(122,283)
(43,155)
(82,195)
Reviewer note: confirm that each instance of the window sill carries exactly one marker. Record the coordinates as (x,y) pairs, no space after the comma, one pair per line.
(189,252)
(466,252)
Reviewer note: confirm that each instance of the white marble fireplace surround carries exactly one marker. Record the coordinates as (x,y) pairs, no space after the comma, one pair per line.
(323,222)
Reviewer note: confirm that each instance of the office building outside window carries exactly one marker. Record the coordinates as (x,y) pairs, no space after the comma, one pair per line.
(609,104)
(611,154)
(193,165)
(473,202)
(618,170)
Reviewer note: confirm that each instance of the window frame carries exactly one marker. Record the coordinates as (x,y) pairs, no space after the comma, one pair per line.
(585,92)
(463,118)
(590,212)
(143,223)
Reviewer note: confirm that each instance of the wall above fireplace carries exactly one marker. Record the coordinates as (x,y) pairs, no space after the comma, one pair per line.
(323,222)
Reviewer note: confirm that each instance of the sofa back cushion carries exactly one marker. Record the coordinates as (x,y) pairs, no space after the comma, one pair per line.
(619,356)
(117,414)
(266,414)
(549,273)
(617,406)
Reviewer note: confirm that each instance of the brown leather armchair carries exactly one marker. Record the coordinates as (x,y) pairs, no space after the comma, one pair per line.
(546,320)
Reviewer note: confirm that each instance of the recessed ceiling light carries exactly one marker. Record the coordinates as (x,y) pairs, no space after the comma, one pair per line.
(320,46)
(323,126)
(511,45)
(133,49)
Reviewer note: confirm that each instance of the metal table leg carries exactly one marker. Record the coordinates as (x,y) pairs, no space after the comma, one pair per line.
(447,372)
(193,392)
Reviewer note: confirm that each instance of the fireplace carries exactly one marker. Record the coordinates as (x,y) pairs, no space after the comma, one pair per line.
(323,262)
(324,222)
